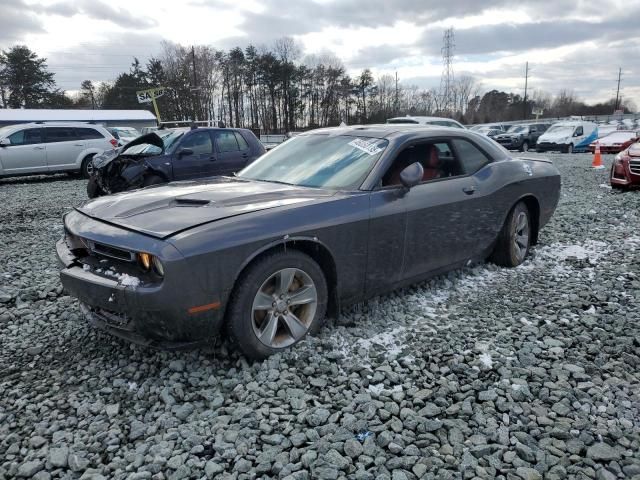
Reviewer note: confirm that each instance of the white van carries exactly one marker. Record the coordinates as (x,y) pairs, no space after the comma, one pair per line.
(568,137)
(44,148)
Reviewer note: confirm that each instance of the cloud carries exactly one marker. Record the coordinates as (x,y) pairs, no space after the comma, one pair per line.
(491,39)
(97,10)
(378,56)
(17,22)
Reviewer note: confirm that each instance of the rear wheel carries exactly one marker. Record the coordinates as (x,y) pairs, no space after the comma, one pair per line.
(525,146)
(279,300)
(514,239)
(86,169)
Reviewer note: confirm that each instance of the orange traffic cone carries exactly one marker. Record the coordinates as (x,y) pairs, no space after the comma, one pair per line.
(597,158)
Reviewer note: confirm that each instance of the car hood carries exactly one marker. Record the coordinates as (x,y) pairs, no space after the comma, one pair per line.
(165,210)
(108,156)
(559,136)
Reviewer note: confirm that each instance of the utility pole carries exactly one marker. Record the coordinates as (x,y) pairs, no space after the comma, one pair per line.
(195,83)
(526,84)
(615,107)
(396,102)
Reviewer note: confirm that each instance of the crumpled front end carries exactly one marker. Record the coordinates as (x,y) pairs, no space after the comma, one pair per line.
(123,168)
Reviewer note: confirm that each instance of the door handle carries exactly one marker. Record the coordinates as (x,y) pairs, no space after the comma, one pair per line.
(245,155)
(38,148)
(470,190)
(78,144)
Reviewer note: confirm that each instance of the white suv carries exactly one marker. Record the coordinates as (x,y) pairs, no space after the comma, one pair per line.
(44,148)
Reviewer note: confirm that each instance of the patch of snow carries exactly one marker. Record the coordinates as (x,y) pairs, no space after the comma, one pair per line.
(604,185)
(86,267)
(591,310)
(486,360)
(390,340)
(128,280)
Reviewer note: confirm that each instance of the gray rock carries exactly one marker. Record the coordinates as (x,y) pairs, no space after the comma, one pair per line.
(353,448)
(212,468)
(318,417)
(602,452)
(58,456)
(528,473)
(77,462)
(30,468)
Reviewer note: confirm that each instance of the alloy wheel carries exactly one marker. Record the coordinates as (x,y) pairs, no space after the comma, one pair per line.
(521,235)
(284,308)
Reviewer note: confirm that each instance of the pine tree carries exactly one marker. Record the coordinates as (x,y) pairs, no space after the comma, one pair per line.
(25,80)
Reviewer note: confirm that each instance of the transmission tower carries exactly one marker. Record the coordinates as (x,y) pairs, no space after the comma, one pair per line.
(446,81)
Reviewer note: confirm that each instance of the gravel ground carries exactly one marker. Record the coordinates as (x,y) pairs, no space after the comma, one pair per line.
(492,373)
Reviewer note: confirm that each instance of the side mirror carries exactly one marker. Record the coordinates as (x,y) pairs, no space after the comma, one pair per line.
(411,175)
(185,152)
(5,142)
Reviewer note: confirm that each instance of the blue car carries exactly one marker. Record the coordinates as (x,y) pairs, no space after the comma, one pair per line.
(172,154)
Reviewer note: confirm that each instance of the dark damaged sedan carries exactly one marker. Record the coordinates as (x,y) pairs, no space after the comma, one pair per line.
(328,218)
(172,154)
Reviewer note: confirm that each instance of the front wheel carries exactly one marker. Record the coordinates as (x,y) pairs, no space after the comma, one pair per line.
(514,239)
(93,189)
(153,180)
(525,146)
(570,148)
(280,299)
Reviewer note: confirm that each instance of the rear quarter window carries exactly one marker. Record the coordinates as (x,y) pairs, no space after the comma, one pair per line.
(88,134)
(470,156)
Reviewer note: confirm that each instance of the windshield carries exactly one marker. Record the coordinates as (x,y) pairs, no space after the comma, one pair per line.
(401,120)
(169,139)
(5,131)
(518,129)
(127,132)
(321,161)
(566,129)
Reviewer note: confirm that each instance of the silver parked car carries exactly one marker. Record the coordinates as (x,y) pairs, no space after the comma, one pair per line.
(45,148)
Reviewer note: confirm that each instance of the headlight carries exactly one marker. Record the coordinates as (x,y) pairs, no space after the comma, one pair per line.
(157,266)
(148,261)
(145,260)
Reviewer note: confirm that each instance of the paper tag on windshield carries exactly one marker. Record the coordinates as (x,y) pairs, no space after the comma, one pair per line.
(367,146)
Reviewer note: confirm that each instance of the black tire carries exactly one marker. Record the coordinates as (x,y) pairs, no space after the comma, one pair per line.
(86,168)
(569,148)
(241,318)
(525,146)
(507,252)
(93,189)
(153,180)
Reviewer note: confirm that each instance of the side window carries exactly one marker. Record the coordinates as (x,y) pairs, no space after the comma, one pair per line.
(437,160)
(579,132)
(60,134)
(29,136)
(199,142)
(227,142)
(472,158)
(241,141)
(88,133)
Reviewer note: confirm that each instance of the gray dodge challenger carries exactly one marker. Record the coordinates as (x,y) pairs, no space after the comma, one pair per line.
(328,218)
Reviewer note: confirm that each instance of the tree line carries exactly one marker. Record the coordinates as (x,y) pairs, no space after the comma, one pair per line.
(272,89)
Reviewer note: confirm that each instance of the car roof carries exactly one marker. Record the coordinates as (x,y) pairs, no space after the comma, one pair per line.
(421,118)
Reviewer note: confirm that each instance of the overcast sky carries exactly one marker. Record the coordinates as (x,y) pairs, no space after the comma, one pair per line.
(570,44)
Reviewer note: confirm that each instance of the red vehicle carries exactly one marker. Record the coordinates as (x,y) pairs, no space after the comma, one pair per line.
(615,142)
(625,171)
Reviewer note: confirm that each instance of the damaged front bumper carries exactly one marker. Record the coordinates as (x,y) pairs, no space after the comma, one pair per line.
(157,314)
